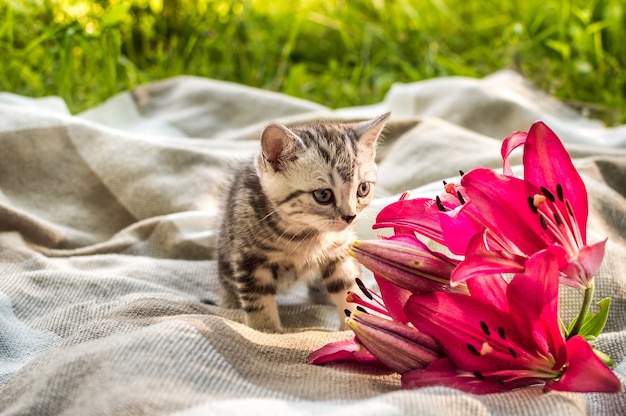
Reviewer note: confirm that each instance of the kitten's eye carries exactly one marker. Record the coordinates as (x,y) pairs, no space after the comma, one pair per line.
(323,196)
(363,190)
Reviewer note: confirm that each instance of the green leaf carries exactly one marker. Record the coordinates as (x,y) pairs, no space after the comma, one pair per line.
(564,49)
(606,359)
(593,323)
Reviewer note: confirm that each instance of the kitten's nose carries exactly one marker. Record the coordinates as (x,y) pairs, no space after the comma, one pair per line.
(348,218)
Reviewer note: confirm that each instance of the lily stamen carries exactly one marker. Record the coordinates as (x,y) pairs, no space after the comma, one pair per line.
(372,307)
(500,242)
(562,227)
(574,224)
(373,296)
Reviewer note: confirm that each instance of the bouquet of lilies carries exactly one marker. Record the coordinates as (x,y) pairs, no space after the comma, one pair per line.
(485,318)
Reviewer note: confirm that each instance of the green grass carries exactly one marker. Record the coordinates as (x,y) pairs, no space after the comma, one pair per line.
(337,53)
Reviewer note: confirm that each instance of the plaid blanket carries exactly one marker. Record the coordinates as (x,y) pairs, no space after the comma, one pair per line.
(107,267)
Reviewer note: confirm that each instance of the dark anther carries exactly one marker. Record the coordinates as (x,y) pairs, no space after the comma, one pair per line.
(557,218)
(461,173)
(444,183)
(347,312)
(543,222)
(439,204)
(548,194)
(473,350)
(485,328)
(501,333)
(559,192)
(361,286)
(478,375)
(499,380)
(361,309)
(569,208)
(513,353)
(461,200)
(531,205)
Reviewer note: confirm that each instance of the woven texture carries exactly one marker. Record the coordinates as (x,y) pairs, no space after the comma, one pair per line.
(107,270)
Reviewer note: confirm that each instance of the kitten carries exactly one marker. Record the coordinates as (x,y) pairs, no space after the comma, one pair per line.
(288,214)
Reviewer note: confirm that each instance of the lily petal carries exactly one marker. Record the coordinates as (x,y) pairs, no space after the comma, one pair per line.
(444,372)
(491,289)
(348,350)
(459,226)
(394,298)
(585,371)
(579,271)
(474,335)
(490,286)
(419,215)
(509,144)
(485,263)
(533,296)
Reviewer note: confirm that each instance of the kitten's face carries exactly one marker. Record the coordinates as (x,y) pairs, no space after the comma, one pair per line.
(320,175)
(316,193)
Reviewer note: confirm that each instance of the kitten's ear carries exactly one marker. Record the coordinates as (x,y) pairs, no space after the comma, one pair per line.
(369,131)
(279,145)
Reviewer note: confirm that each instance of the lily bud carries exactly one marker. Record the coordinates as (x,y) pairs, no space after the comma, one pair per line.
(400,347)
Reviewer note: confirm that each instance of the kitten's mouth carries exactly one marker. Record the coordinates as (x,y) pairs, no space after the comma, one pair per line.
(334,225)
(340,225)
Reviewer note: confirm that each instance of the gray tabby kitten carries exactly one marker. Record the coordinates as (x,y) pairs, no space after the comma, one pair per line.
(288,215)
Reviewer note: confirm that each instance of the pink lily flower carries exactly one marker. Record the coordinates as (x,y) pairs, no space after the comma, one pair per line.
(506,342)
(546,210)
(461,323)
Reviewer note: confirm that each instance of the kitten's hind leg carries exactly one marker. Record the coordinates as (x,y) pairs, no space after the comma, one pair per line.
(318,294)
(229,299)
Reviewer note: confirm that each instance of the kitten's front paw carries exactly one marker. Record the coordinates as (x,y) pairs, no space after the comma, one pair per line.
(260,322)
(271,330)
(343,325)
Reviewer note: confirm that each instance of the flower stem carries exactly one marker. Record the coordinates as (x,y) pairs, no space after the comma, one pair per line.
(584,309)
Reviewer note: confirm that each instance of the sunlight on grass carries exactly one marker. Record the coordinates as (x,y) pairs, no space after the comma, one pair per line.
(337,53)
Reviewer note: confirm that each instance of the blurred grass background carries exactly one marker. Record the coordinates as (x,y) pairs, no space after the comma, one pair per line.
(337,53)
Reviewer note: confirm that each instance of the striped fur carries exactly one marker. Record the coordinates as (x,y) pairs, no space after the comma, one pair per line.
(280,223)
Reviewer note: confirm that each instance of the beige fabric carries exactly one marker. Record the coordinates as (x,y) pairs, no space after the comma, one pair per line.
(107,223)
